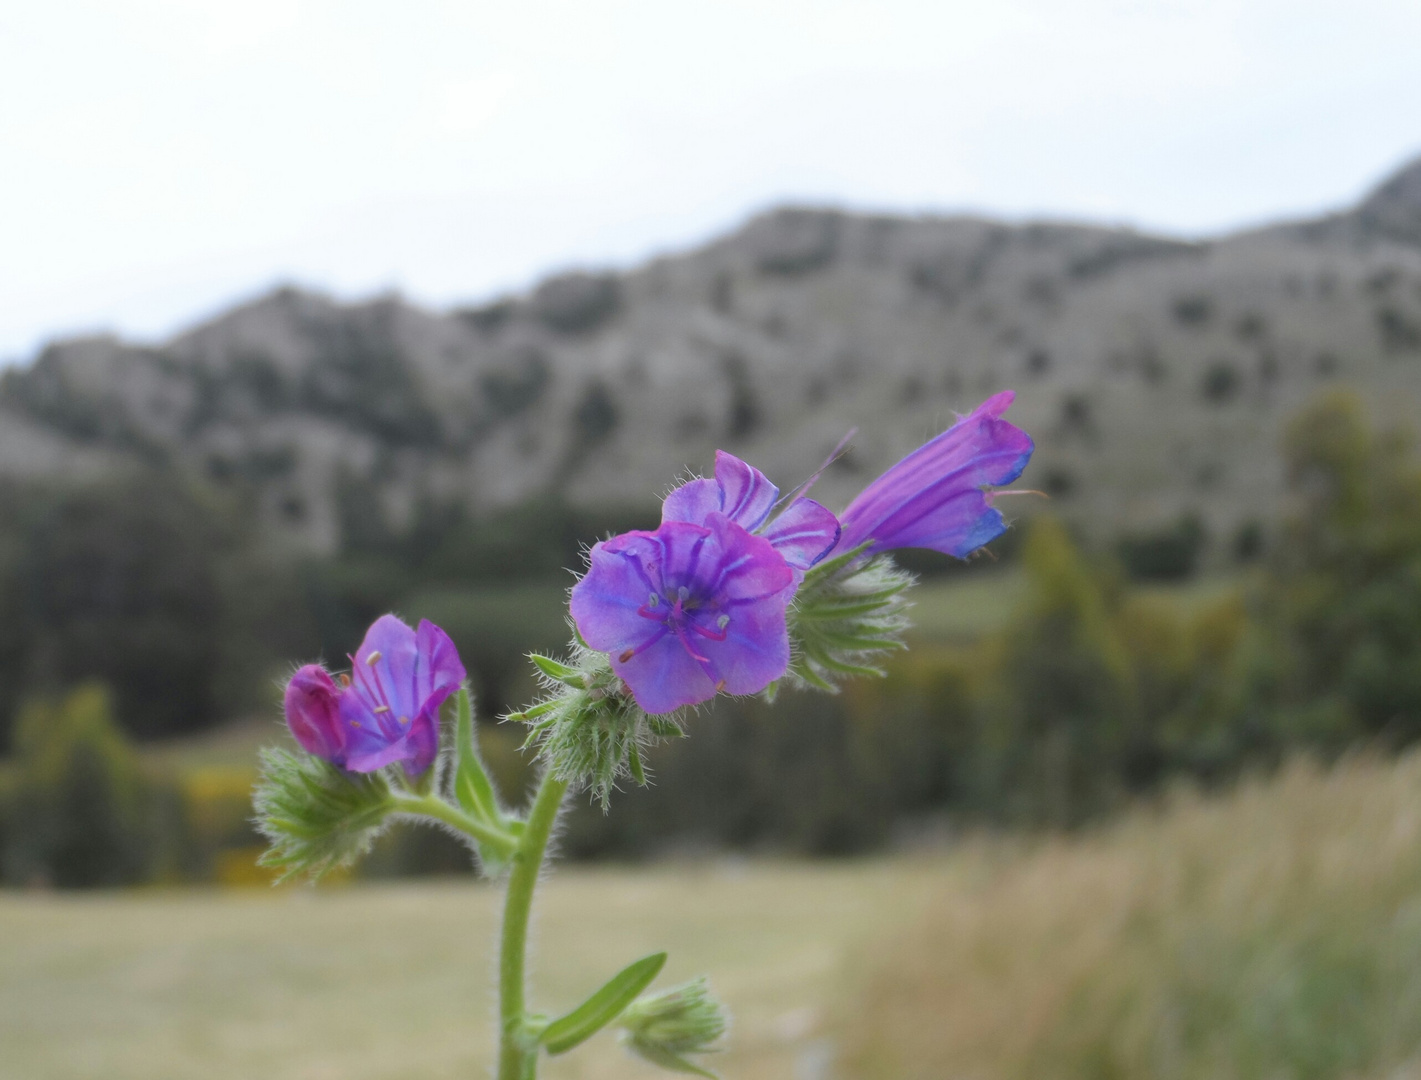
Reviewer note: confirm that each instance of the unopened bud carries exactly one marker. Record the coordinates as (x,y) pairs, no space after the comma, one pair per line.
(847,616)
(666,1026)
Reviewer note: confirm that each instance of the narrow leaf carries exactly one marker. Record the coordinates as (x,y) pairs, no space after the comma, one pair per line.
(602,1007)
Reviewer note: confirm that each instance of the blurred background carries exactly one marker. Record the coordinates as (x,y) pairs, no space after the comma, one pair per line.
(313,311)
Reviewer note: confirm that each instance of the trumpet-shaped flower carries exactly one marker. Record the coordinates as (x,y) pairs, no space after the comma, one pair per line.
(387,709)
(802,534)
(937,497)
(688,610)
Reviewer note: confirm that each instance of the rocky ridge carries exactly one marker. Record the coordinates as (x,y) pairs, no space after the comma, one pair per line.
(1155,373)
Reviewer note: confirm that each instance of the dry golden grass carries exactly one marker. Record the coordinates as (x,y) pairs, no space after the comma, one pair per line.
(1271,933)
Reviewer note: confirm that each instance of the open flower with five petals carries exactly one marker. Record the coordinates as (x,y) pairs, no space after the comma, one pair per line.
(687,610)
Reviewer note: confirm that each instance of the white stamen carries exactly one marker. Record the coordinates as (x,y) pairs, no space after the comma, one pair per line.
(722,622)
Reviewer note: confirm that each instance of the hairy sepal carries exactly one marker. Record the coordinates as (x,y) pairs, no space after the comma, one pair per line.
(588,729)
(665,1027)
(315,816)
(848,616)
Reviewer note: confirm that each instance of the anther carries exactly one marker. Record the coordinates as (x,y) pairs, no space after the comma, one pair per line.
(653,600)
(627,655)
(404,719)
(373,658)
(344,679)
(684,593)
(381,708)
(720,686)
(355,723)
(722,622)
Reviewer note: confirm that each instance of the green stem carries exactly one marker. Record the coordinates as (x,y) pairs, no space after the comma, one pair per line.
(490,836)
(518,1047)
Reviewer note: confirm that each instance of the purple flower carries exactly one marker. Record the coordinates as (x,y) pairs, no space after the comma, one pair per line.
(688,610)
(312,702)
(387,710)
(936,497)
(802,534)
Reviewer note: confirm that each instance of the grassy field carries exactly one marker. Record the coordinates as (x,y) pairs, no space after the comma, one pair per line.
(383,982)
(1272,932)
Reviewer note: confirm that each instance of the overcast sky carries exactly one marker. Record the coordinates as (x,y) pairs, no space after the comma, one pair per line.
(160,159)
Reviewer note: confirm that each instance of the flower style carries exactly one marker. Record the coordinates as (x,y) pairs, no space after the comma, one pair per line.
(387,709)
(803,534)
(688,610)
(937,496)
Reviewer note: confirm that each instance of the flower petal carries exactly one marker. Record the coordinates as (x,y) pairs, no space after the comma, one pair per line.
(747,496)
(623,574)
(439,671)
(803,534)
(384,667)
(692,501)
(665,676)
(312,712)
(933,497)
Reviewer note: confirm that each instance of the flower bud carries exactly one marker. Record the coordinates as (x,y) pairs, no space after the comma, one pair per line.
(665,1026)
(312,702)
(848,614)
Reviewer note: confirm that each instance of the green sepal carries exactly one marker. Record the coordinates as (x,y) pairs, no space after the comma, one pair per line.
(315,816)
(472,787)
(658,1055)
(563,673)
(666,1027)
(602,1007)
(473,790)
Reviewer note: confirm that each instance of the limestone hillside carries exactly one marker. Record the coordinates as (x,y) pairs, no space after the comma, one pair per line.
(1155,373)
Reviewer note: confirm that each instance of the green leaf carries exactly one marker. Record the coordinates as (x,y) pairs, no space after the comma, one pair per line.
(555,669)
(602,1007)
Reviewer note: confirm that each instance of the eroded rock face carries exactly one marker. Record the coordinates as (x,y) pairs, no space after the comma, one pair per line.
(1155,373)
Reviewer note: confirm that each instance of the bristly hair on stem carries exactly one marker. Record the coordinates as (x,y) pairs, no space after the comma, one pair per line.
(587,728)
(848,615)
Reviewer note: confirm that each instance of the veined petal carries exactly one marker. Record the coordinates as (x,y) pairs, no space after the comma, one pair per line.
(803,534)
(665,676)
(312,703)
(747,496)
(384,667)
(624,573)
(692,501)
(744,566)
(439,670)
(980,450)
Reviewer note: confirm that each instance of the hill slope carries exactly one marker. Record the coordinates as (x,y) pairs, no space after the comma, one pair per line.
(1155,373)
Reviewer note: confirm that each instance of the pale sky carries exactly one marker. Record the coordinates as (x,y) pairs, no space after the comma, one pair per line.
(160,159)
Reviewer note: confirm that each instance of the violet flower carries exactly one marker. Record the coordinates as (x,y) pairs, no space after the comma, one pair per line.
(937,497)
(803,533)
(688,610)
(387,709)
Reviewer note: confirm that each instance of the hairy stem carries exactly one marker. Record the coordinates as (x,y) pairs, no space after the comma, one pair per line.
(490,836)
(518,1047)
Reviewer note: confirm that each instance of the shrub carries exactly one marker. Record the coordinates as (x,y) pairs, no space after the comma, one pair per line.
(82,811)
